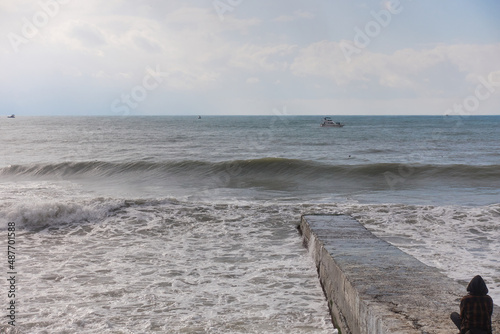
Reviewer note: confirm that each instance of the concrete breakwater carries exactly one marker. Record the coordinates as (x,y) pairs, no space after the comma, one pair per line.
(372,287)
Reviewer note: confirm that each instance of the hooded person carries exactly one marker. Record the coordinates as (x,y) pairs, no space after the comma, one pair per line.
(476,309)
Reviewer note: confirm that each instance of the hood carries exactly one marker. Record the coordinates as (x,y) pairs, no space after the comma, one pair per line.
(477,286)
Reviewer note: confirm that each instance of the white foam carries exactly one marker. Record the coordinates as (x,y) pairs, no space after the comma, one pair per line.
(44,204)
(173,267)
(109,265)
(460,241)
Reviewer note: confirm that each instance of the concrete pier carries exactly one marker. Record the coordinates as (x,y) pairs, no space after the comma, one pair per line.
(373,287)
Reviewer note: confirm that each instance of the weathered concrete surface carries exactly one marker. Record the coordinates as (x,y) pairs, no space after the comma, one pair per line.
(373,287)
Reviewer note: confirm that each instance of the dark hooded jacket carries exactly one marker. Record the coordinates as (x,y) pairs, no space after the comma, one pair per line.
(477,307)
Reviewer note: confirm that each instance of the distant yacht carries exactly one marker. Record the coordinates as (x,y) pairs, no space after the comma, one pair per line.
(327,122)
(11,116)
(199,117)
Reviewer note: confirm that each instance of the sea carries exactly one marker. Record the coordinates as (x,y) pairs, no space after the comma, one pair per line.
(181,224)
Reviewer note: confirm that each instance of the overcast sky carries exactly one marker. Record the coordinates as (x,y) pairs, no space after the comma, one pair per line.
(318,57)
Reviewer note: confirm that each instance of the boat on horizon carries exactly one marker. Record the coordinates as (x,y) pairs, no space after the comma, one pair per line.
(328,122)
(11,116)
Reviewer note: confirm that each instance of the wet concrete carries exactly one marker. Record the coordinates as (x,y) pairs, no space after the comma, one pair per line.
(373,287)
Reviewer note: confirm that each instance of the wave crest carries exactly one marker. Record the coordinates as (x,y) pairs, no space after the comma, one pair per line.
(254,171)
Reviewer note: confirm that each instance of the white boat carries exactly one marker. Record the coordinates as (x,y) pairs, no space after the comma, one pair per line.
(11,116)
(327,122)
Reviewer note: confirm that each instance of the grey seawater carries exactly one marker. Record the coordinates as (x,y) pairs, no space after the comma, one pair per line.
(174,224)
(449,160)
(363,139)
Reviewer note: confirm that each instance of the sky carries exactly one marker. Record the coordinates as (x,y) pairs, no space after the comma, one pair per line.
(250,57)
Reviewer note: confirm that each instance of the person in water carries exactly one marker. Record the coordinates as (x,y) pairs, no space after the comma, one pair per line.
(476,309)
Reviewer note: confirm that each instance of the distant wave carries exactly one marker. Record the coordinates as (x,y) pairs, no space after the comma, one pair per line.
(255,171)
(374,151)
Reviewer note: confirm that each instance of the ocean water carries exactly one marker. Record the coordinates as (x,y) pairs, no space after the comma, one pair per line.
(186,225)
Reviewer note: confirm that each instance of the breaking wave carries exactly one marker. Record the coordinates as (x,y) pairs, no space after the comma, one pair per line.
(261,169)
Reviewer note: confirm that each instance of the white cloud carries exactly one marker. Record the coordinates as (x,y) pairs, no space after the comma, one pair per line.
(355,106)
(109,45)
(185,41)
(147,44)
(253,80)
(88,34)
(70,71)
(267,58)
(196,19)
(404,69)
(474,60)
(284,18)
(304,14)
(323,58)
(298,14)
